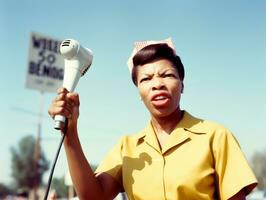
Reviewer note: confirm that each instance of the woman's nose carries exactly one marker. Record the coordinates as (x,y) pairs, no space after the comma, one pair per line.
(157,84)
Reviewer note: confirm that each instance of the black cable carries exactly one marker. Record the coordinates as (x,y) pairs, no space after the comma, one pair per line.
(55,160)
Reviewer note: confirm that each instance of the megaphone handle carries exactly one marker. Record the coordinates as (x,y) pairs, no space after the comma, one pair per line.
(59,122)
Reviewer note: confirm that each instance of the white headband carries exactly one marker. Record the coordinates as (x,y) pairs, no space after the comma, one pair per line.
(141,44)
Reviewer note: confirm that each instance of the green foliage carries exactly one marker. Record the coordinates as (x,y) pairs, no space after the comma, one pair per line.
(259,167)
(58,184)
(4,190)
(27,173)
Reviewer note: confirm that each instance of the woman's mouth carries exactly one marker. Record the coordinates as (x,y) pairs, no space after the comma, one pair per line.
(160,100)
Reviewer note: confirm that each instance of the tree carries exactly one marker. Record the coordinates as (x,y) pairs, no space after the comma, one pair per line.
(259,167)
(28,164)
(4,190)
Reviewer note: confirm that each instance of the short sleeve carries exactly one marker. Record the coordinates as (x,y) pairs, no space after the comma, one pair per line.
(232,169)
(112,162)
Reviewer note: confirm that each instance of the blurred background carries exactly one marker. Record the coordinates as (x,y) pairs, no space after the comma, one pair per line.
(222,46)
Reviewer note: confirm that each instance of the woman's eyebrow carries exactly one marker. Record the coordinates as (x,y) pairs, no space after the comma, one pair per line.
(167,70)
(145,74)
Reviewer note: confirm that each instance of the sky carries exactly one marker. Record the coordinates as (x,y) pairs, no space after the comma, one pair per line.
(222,45)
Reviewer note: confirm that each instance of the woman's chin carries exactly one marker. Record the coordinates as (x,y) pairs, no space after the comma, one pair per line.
(163,113)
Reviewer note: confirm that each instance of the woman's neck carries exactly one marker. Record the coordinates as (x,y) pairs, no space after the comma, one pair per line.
(168,123)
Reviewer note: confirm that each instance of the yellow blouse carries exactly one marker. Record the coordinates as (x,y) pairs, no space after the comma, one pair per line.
(200,160)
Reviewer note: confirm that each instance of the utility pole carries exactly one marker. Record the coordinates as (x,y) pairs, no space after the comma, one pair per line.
(37,150)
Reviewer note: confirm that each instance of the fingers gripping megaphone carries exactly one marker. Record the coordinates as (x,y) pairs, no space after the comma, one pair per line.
(77,61)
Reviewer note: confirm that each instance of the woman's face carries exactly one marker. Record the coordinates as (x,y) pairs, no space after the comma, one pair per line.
(160,87)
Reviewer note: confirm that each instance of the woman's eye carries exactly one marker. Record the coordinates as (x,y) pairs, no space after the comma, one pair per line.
(169,75)
(144,79)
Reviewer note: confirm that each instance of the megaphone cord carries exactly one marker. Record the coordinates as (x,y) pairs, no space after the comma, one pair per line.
(55,160)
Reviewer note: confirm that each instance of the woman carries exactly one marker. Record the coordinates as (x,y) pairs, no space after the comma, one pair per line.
(177,156)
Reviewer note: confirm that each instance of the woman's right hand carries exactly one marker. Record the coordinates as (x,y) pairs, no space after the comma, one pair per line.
(66,104)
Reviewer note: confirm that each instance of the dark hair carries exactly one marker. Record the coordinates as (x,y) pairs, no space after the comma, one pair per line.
(155,52)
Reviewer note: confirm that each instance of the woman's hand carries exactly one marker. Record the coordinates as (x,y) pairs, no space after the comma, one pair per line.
(66,104)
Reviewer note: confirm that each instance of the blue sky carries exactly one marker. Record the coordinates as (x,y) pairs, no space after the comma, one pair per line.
(222,46)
